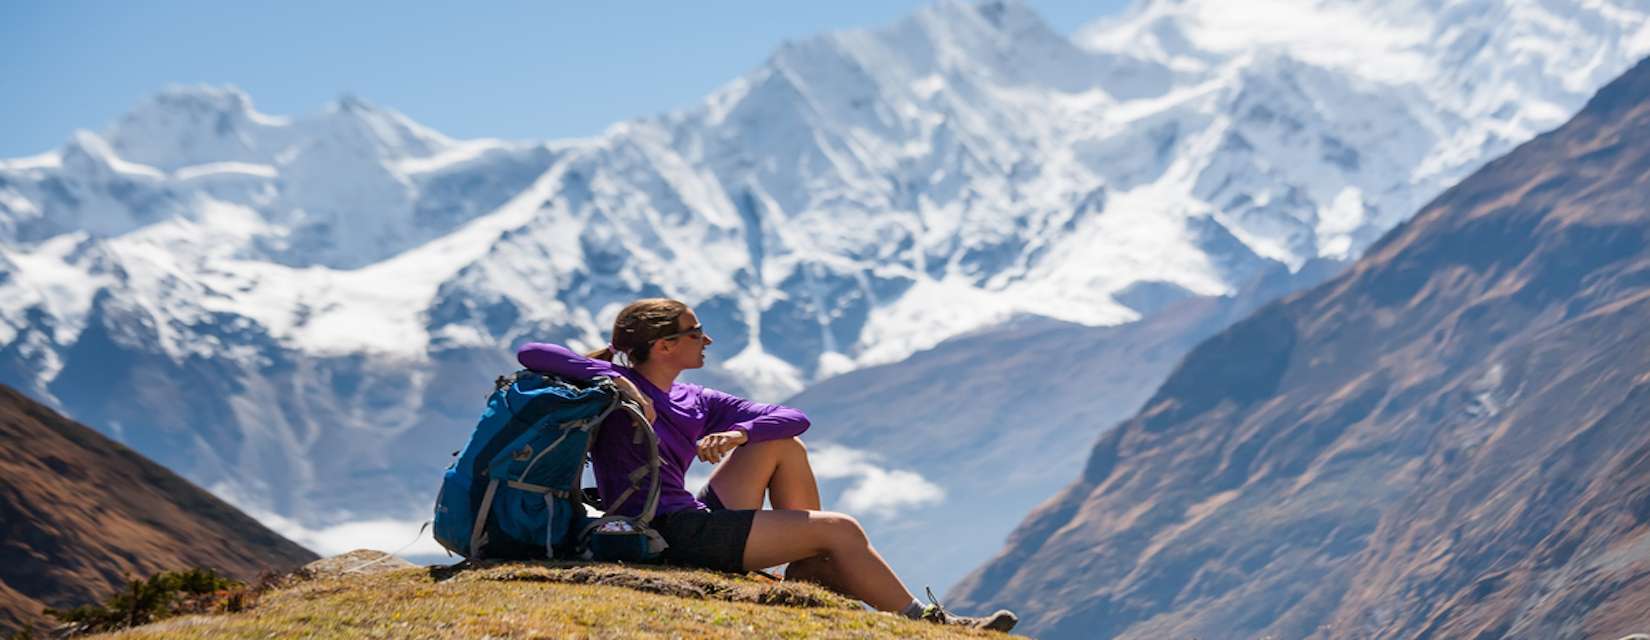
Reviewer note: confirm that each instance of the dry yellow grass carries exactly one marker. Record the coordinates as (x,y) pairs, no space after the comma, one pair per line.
(547,600)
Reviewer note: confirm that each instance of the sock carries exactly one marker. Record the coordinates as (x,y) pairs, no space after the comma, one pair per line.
(913,610)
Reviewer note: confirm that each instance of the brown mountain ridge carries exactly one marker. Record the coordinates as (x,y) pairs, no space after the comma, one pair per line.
(1449,440)
(79,513)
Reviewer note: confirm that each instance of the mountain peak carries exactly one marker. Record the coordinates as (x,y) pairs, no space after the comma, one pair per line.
(186,125)
(353,106)
(395,135)
(982,29)
(985,43)
(193,101)
(199,99)
(1006,16)
(86,151)
(190,124)
(351,103)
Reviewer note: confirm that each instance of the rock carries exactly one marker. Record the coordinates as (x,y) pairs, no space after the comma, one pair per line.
(357,561)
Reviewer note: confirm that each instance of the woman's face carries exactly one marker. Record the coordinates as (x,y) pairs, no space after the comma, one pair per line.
(686,347)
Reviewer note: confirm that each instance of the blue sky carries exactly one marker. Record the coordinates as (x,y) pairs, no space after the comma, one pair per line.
(521,70)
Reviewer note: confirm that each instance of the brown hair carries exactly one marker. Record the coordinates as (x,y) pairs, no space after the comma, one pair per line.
(638,325)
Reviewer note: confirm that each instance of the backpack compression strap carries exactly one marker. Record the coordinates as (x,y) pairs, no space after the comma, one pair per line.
(478,533)
(567,429)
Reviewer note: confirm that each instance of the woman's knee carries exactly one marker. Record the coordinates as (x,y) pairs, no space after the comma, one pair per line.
(792,449)
(792,444)
(841,529)
(776,450)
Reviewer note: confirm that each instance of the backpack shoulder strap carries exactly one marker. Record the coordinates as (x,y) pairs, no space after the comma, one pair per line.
(649,471)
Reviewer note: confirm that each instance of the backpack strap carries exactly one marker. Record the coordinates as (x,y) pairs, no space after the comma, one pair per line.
(567,429)
(642,425)
(478,534)
(644,431)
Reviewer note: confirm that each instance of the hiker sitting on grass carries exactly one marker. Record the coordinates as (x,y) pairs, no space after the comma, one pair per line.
(725,527)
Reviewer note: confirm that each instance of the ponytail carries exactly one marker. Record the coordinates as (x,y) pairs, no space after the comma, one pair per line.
(611,354)
(639,324)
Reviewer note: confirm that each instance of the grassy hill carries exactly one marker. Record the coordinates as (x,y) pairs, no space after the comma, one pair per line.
(544,600)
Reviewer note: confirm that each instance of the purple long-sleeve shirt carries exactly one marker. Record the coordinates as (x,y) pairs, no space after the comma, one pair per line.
(686,413)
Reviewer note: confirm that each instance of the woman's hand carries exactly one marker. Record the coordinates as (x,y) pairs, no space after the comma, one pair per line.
(716,445)
(629,389)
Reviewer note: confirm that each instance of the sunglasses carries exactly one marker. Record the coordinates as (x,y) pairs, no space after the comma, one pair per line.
(696,332)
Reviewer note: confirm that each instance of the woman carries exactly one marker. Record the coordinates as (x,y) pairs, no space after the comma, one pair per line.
(725,527)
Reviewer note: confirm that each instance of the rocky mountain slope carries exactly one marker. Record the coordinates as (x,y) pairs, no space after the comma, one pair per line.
(305,310)
(1446,441)
(79,514)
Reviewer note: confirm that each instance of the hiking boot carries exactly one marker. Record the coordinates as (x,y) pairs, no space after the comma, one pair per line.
(1003,620)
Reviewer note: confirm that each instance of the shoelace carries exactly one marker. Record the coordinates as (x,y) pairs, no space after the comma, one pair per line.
(994,621)
(944,613)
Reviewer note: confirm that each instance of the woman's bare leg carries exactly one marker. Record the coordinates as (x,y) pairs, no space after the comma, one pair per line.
(778,469)
(782,536)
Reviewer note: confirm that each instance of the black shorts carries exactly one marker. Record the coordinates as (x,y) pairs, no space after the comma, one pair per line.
(713,538)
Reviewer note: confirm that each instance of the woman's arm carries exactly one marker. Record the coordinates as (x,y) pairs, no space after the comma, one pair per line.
(759,422)
(556,359)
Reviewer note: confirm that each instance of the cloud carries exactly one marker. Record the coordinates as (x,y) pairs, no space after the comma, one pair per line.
(874,489)
(400,537)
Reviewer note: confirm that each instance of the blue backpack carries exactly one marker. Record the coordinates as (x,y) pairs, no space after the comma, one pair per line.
(514,491)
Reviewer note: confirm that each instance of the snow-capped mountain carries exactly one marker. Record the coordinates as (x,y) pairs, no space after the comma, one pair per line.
(304,311)
(1444,441)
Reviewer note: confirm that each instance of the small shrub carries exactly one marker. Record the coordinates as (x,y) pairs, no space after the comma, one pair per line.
(163,595)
